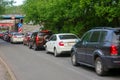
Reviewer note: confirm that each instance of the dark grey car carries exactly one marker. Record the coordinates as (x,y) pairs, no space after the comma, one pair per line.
(99,48)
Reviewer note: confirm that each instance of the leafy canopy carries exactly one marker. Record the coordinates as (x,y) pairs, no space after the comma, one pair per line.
(74,16)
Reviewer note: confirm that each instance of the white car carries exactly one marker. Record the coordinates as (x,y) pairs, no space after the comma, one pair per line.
(61,43)
(16,37)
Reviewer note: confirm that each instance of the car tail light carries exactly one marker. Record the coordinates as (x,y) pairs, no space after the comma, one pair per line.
(37,38)
(61,43)
(114,50)
(28,38)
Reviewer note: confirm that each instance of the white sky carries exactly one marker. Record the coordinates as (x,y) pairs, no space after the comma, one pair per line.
(18,2)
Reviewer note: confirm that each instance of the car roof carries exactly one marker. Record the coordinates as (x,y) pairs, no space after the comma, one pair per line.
(65,34)
(105,29)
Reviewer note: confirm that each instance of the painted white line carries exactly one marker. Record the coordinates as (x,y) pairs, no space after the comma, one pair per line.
(8,69)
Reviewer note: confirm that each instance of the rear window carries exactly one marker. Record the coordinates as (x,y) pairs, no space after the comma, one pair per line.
(42,34)
(116,36)
(18,34)
(67,37)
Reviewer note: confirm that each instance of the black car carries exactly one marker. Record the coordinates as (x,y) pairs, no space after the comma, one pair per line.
(99,48)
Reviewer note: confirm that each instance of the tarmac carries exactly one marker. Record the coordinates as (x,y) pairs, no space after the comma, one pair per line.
(5,71)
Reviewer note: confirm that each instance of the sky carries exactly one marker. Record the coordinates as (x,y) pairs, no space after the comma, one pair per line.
(18,2)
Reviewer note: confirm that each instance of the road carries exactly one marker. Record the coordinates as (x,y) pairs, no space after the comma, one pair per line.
(28,64)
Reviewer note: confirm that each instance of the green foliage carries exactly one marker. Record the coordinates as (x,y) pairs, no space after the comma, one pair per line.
(4,4)
(76,16)
(14,10)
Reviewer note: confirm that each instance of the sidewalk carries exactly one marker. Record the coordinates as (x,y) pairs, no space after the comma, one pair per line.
(4,73)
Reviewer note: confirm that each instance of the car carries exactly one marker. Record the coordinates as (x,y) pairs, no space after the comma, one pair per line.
(9,35)
(99,48)
(26,38)
(38,39)
(5,36)
(1,34)
(16,37)
(61,43)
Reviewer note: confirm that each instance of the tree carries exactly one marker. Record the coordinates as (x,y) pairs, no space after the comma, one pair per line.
(76,16)
(4,4)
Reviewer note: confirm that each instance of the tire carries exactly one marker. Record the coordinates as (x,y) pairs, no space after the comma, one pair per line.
(30,47)
(11,41)
(35,47)
(23,43)
(74,60)
(55,53)
(99,67)
(46,50)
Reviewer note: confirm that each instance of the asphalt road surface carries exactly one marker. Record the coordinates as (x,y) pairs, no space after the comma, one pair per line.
(28,64)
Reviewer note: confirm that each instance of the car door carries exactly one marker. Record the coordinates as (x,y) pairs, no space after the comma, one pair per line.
(81,49)
(51,43)
(92,46)
(32,39)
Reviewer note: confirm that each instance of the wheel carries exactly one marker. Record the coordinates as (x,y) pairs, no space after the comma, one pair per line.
(35,47)
(30,47)
(74,60)
(10,40)
(46,49)
(23,43)
(99,67)
(55,53)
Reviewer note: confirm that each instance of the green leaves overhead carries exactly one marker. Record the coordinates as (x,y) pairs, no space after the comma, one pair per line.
(3,4)
(73,15)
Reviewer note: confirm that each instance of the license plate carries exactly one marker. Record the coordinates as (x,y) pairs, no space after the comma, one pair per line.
(71,44)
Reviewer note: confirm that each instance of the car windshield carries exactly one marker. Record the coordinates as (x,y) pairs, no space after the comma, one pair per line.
(17,34)
(67,37)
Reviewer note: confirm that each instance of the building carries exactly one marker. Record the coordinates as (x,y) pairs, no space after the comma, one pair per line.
(11,22)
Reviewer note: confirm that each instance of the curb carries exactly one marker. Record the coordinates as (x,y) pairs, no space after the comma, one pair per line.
(8,69)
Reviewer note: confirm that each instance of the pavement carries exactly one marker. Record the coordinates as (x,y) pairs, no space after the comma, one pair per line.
(5,72)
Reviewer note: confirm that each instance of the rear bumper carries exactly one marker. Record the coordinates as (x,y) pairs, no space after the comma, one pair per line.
(17,40)
(64,50)
(112,61)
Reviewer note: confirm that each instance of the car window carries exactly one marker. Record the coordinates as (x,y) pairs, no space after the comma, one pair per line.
(116,36)
(67,37)
(33,35)
(53,38)
(18,34)
(41,34)
(103,36)
(95,36)
(86,37)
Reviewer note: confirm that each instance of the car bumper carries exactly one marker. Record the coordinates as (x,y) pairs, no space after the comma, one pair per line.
(112,61)
(63,50)
(17,40)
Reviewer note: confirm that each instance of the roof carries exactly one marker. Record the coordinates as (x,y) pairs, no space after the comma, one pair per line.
(12,16)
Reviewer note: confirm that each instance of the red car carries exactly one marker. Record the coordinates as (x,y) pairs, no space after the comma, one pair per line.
(38,39)
(1,34)
(26,38)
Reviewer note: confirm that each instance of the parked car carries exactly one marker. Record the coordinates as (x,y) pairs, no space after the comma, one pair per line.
(38,39)
(99,48)
(9,35)
(16,37)
(5,36)
(26,38)
(61,43)
(1,34)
